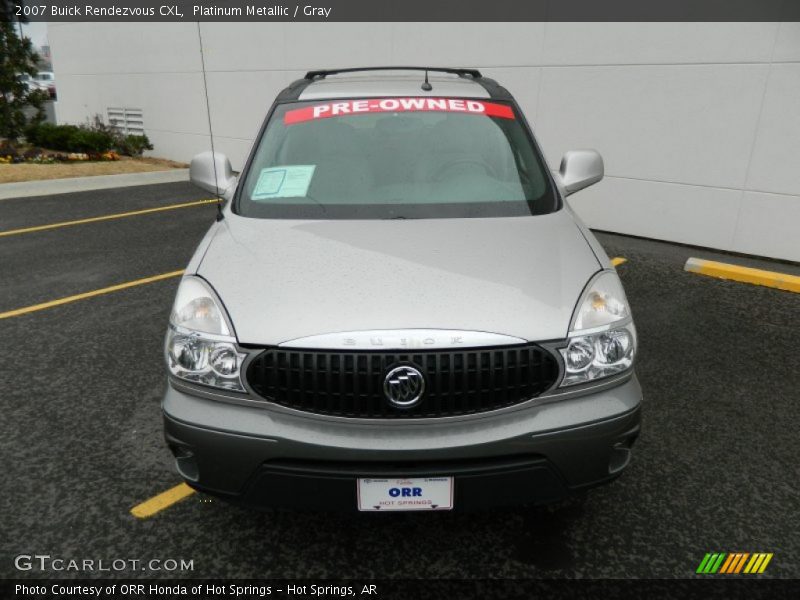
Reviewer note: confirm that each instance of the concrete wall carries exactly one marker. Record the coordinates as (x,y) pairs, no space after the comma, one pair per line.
(699,123)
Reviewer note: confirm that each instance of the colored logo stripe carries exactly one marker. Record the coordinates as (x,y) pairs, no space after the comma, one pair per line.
(758,563)
(734,563)
(711,563)
(727,564)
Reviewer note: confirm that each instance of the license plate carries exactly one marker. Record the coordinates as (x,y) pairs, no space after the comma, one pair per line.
(416,493)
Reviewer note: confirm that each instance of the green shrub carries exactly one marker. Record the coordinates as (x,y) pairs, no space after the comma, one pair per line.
(85,140)
(129,145)
(54,137)
(92,139)
(133,145)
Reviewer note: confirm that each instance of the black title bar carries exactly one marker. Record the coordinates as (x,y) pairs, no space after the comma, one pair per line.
(402,589)
(404,10)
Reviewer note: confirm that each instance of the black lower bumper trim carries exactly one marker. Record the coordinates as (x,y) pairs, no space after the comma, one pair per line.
(333,486)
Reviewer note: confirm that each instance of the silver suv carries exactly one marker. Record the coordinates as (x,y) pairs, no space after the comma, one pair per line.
(397,310)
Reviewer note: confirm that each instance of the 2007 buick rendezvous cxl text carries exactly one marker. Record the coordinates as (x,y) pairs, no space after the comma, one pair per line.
(397,310)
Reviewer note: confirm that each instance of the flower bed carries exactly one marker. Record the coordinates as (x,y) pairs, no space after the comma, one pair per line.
(46,143)
(46,157)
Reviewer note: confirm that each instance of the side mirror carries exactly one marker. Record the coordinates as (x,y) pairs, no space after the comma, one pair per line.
(580,169)
(205,166)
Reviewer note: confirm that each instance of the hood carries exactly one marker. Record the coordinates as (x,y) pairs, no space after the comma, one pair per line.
(284,279)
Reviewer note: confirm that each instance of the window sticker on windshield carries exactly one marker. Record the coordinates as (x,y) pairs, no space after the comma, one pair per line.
(372,105)
(290,181)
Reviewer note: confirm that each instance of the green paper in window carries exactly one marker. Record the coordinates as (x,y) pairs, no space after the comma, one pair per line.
(290,181)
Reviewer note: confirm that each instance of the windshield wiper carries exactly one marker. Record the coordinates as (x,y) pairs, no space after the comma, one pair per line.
(317,202)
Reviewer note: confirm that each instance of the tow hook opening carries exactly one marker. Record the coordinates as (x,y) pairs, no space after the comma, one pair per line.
(621,453)
(184,460)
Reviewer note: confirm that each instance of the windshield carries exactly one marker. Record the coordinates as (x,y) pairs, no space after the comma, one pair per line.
(395,158)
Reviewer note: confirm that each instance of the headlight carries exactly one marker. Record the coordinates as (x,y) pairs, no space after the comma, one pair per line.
(602,337)
(200,346)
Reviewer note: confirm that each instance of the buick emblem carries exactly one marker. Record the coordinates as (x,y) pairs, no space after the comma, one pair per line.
(404,386)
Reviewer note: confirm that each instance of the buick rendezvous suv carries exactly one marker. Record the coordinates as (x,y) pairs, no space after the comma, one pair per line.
(396,309)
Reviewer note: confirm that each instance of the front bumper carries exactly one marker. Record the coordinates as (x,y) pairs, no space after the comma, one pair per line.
(267,458)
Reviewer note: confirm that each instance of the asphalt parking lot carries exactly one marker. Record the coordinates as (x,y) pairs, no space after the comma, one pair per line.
(716,469)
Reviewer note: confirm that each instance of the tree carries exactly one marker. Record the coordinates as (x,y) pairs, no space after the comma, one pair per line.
(17,59)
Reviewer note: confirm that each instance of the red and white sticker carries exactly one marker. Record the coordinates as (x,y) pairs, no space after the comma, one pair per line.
(373,105)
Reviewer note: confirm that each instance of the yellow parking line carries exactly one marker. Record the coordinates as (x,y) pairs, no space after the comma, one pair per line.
(773,279)
(114,288)
(164,500)
(615,262)
(132,213)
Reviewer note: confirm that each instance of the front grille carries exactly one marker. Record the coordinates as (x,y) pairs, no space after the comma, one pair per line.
(350,383)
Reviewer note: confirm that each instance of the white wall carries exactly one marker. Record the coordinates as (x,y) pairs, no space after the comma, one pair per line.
(699,123)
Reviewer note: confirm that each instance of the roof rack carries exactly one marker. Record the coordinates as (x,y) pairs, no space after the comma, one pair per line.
(321,74)
(295,89)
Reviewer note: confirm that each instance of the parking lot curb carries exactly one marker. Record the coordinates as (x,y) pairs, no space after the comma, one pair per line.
(773,279)
(49,187)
